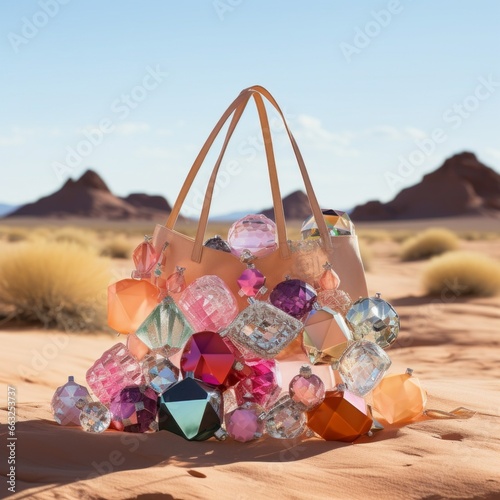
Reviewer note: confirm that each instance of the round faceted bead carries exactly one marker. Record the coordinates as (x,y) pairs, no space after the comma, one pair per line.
(145,258)
(307,389)
(285,420)
(295,297)
(208,304)
(342,416)
(95,417)
(208,357)
(399,398)
(337,222)
(374,319)
(64,402)
(251,282)
(160,373)
(337,300)
(245,423)
(135,409)
(217,243)
(255,233)
(262,386)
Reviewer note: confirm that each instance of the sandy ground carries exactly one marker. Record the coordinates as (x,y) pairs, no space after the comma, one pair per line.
(452,344)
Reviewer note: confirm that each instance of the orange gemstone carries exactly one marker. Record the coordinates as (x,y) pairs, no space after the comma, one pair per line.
(329,280)
(136,347)
(129,303)
(342,416)
(399,398)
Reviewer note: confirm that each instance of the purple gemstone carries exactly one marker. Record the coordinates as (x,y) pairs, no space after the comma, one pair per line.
(251,281)
(134,409)
(295,297)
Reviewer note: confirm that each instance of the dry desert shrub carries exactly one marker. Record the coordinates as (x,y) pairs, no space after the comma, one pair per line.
(373,235)
(429,243)
(478,235)
(401,235)
(462,273)
(14,234)
(117,246)
(59,285)
(82,237)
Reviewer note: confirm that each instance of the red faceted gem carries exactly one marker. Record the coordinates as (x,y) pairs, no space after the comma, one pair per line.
(251,281)
(208,357)
(145,258)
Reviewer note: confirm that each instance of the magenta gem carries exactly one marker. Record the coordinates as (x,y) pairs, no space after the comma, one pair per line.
(295,297)
(251,281)
(243,424)
(255,233)
(262,386)
(134,409)
(208,357)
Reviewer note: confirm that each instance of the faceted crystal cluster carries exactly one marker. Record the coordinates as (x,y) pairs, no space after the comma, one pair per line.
(112,372)
(159,372)
(337,222)
(64,402)
(95,417)
(208,304)
(255,233)
(217,243)
(285,420)
(134,409)
(374,319)
(262,330)
(295,297)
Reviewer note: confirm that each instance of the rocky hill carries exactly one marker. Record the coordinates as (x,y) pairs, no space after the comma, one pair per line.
(295,205)
(461,186)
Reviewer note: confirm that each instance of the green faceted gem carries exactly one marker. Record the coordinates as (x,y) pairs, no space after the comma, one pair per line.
(165,327)
(191,409)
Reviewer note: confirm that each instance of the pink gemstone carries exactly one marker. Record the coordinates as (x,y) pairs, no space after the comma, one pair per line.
(134,409)
(263,386)
(208,304)
(64,400)
(176,283)
(208,357)
(116,369)
(308,391)
(243,424)
(295,297)
(329,280)
(145,258)
(255,233)
(251,281)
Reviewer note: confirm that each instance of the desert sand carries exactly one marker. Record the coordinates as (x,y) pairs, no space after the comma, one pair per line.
(452,344)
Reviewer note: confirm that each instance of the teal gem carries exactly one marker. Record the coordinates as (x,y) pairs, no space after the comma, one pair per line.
(191,409)
(165,327)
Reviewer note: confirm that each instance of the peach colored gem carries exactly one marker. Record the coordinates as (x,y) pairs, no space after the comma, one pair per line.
(399,398)
(329,280)
(137,347)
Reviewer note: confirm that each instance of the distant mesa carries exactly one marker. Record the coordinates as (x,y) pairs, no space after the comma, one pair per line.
(90,197)
(461,186)
(295,205)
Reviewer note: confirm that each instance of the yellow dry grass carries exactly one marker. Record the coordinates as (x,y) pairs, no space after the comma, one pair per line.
(462,273)
(434,241)
(57,284)
(117,246)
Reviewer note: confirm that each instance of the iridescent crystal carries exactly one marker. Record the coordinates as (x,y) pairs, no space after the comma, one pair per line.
(262,386)
(217,243)
(362,366)
(95,417)
(245,423)
(306,389)
(64,400)
(145,258)
(337,222)
(337,300)
(191,409)
(166,327)
(112,372)
(285,420)
(374,319)
(251,282)
(160,373)
(255,233)
(262,330)
(208,304)
(325,336)
(399,398)
(134,409)
(295,297)
(208,357)
(129,303)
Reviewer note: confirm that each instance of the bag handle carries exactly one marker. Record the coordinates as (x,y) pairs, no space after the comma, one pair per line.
(237,106)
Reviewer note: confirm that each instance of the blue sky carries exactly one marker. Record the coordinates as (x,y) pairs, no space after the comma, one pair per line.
(377,93)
